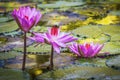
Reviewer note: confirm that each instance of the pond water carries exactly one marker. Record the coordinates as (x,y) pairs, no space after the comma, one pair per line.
(88,20)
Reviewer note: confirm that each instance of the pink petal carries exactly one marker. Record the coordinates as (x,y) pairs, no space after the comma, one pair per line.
(89,53)
(83,49)
(67,39)
(38,17)
(60,44)
(63,35)
(99,47)
(48,37)
(74,50)
(56,47)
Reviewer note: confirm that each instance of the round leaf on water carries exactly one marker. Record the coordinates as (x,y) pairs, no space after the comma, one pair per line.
(112,48)
(12,74)
(114,63)
(78,72)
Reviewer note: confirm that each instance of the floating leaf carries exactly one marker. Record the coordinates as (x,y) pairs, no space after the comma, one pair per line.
(95,62)
(110,29)
(37,49)
(39,29)
(90,31)
(78,72)
(12,74)
(8,27)
(8,55)
(5,19)
(59,4)
(112,48)
(114,63)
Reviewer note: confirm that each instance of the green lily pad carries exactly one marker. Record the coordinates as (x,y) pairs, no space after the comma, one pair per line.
(13,33)
(114,63)
(115,37)
(110,29)
(78,72)
(98,62)
(104,38)
(90,31)
(60,4)
(8,55)
(12,74)
(8,27)
(37,49)
(112,48)
(5,19)
(103,33)
(39,29)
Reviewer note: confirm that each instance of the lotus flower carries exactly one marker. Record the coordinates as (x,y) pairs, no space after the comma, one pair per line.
(54,37)
(26,17)
(58,39)
(86,49)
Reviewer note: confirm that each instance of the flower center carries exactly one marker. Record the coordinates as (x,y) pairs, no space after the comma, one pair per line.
(87,46)
(26,17)
(54,30)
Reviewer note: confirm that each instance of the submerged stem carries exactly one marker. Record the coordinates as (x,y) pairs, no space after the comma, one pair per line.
(24,55)
(51,58)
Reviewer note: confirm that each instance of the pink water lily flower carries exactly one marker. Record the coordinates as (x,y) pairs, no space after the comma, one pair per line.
(54,37)
(58,39)
(38,37)
(26,17)
(86,49)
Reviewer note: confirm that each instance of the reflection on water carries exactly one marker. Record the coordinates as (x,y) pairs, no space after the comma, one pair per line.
(39,59)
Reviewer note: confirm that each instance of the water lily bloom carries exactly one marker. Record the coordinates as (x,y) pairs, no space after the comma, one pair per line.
(57,39)
(54,37)
(26,17)
(86,49)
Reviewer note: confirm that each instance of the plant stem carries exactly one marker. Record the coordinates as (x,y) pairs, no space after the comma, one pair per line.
(51,58)
(24,55)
